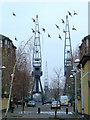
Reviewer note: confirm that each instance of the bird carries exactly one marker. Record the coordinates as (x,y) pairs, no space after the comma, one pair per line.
(73,28)
(75,13)
(57,26)
(39,32)
(62,21)
(64,31)
(60,37)
(43,29)
(14,14)
(49,35)
(33,19)
(16,38)
(70,13)
(33,31)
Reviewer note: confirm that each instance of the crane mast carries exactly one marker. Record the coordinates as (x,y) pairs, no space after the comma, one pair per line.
(37,61)
(46,89)
(68,61)
(46,78)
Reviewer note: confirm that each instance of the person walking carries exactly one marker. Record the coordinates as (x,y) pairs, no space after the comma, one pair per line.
(12,107)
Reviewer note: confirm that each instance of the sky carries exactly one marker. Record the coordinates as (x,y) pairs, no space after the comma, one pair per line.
(50,13)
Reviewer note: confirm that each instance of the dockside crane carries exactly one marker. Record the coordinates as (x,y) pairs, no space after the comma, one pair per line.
(37,62)
(46,81)
(68,60)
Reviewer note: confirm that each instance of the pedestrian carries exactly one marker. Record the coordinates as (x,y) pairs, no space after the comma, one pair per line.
(25,104)
(17,103)
(12,107)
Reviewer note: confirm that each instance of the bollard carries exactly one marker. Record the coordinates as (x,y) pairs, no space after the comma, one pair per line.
(66,110)
(38,110)
(74,107)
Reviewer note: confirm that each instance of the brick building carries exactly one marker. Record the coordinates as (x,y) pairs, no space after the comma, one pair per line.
(8,55)
(7,59)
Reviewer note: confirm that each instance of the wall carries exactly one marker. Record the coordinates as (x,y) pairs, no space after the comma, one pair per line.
(86,88)
(89,88)
(4,103)
(79,106)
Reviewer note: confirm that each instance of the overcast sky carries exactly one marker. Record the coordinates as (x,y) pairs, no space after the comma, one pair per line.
(50,13)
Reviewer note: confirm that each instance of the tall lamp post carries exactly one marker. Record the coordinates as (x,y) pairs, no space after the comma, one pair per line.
(73,93)
(75,90)
(78,62)
(82,93)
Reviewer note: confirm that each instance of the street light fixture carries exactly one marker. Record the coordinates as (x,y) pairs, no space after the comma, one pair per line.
(77,61)
(12,75)
(3,67)
(71,76)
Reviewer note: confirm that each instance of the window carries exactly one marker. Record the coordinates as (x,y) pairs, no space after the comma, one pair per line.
(8,44)
(87,42)
(0,43)
(36,68)
(5,42)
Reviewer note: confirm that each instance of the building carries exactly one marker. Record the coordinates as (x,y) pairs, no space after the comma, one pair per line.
(85,61)
(7,59)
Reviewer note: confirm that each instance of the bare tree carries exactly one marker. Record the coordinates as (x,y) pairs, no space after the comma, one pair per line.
(57,85)
(23,80)
(57,82)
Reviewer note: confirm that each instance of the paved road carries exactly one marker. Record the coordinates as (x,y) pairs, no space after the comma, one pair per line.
(44,109)
(46,112)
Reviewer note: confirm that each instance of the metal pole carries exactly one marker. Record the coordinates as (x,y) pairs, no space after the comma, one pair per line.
(75,94)
(23,98)
(82,93)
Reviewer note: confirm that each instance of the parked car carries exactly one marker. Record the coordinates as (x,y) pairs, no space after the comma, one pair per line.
(19,102)
(31,103)
(55,105)
(47,101)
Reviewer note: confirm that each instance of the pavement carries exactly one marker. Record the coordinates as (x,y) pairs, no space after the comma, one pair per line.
(32,114)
